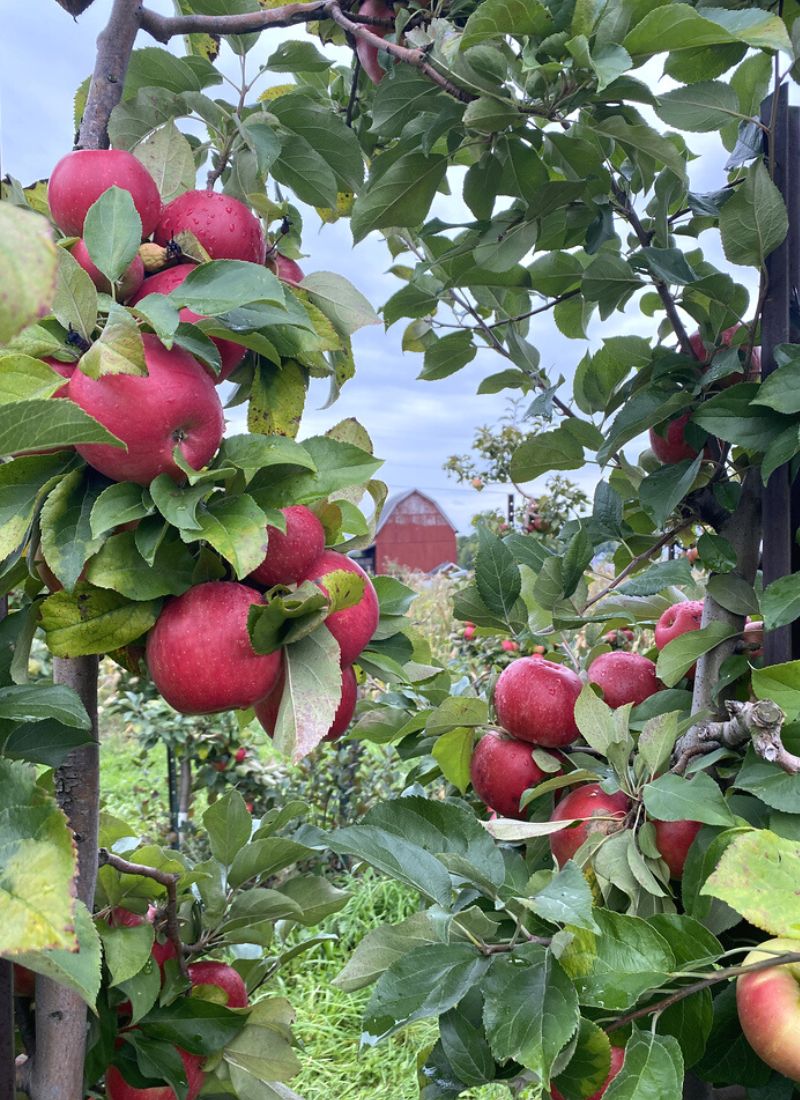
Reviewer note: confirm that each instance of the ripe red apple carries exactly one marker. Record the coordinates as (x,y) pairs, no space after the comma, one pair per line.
(704,355)
(673,840)
(599,813)
(503,768)
(174,404)
(267,709)
(617,1058)
(368,54)
(163,951)
(669,444)
(128,283)
(692,555)
(288,270)
(117,1088)
(240,755)
(124,918)
(768,1002)
(24,982)
(678,619)
(222,976)
(80,178)
(66,370)
(539,650)
(508,646)
(290,555)
(199,652)
(469,631)
(535,701)
(164,282)
(624,677)
(225,227)
(352,627)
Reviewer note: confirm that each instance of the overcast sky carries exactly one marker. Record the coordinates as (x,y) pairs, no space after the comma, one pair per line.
(415,426)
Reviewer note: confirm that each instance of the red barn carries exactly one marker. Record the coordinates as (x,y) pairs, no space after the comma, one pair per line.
(414,532)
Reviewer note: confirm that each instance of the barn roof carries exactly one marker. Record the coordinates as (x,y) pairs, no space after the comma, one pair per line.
(397,498)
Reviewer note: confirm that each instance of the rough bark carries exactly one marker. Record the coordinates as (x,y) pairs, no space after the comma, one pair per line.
(114,46)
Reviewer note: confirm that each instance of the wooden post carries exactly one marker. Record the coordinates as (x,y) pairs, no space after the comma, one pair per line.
(777,556)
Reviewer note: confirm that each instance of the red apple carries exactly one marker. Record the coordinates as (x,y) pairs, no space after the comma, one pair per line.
(66,370)
(225,227)
(164,282)
(669,445)
(678,619)
(352,627)
(624,677)
(368,54)
(163,951)
(222,976)
(117,1088)
(503,768)
(174,404)
(24,982)
(768,1002)
(199,652)
(469,631)
(599,813)
(267,709)
(673,840)
(289,271)
(240,755)
(290,555)
(509,646)
(535,701)
(80,178)
(539,650)
(124,918)
(705,355)
(617,1058)
(128,283)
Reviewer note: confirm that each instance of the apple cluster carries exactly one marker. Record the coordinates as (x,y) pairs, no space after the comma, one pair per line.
(176,406)
(534,700)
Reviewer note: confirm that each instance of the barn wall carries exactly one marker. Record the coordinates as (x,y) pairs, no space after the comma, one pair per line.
(416,535)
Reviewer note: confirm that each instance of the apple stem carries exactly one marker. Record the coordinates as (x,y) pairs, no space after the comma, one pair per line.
(165,879)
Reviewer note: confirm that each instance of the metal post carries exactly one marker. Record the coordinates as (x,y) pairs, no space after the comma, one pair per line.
(511,510)
(8,1088)
(793,209)
(172,785)
(777,530)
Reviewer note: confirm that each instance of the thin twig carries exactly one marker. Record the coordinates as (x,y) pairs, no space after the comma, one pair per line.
(634,563)
(167,879)
(227,148)
(539,309)
(351,102)
(696,987)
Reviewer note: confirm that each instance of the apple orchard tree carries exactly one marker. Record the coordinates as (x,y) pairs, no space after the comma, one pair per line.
(629,925)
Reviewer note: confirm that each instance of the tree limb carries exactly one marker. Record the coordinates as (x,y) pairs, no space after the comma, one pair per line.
(758,723)
(114,48)
(164,878)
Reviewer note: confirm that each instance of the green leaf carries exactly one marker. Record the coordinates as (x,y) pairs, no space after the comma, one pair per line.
(28,267)
(167,155)
(754,221)
(707,105)
(23,378)
(775,787)
(654,579)
(30,703)
(567,899)
(33,425)
(612,969)
(678,656)
(447,355)
(77,964)
(302,168)
(339,465)
(452,751)
(235,526)
(734,417)
(496,574)
(344,306)
(757,876)
(691,1019)
(496,18)
(673,798)
(400,195)
(596,721)
(539,454)
(662,491)
(75,301)
(223,285)
(311,694)
(395,857)
(427,981)
(118,350)
(678,26)
(637,138)
(297,57)
(733,593)
(780,602)
(126,950)
(316,897)
(262,1055)
(277,398)
(121,567)
(112,232)
(781,683)
(652,1070)
(457,710)
(610,281)
(92,620)
(589,1066)
(67,539)
(252,453)
(401,96)
(37,865)
(117,505)
(196,1025)
(264,857)
(464,1043)
(327,135)
(530,1008)
(229,825)
(380,948)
